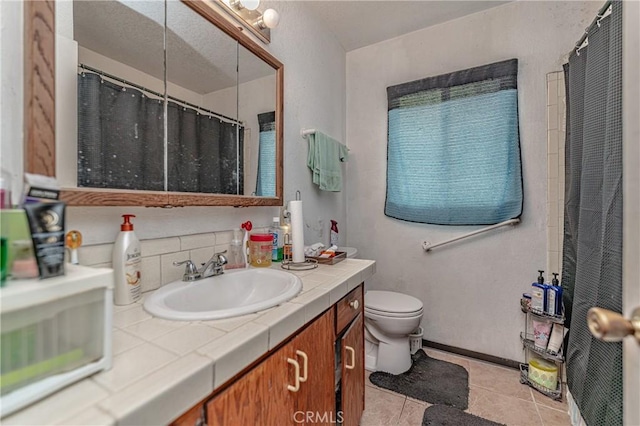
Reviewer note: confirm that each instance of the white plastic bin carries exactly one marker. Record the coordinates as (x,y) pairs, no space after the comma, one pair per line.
(52,333)
(415,340)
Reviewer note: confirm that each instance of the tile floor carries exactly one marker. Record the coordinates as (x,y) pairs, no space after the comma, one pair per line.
(495,393)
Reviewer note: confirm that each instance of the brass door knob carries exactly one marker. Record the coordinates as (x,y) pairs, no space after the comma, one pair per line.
(610,326)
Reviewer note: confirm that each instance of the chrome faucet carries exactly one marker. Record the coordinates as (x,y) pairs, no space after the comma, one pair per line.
(213,267)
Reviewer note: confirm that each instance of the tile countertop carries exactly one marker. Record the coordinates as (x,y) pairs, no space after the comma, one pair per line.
(162,368)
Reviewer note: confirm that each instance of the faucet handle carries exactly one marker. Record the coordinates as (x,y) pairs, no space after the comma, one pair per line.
(190,271)
(222,260)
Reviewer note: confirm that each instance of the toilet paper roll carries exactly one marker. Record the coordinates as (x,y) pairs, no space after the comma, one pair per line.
(297,231)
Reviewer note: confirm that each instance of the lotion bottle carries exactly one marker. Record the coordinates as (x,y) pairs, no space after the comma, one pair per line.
(126,264)
(539,295)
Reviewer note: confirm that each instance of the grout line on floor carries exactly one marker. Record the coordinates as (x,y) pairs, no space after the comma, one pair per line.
(537,409)
(404,404)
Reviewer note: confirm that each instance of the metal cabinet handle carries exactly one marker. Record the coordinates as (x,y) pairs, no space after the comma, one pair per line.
(354,304)
(610,326)
(353,358)
(296,366)
(305,365)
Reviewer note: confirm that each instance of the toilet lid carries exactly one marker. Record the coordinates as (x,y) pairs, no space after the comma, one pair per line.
(390,301)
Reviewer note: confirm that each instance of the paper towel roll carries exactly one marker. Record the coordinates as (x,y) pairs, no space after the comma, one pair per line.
(297,231)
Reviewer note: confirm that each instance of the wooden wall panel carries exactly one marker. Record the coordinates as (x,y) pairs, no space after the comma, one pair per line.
(39,116)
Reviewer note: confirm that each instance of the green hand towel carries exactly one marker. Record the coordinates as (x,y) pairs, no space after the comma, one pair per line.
(324,158)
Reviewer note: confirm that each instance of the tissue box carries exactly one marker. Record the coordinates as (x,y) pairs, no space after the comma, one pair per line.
(53,333)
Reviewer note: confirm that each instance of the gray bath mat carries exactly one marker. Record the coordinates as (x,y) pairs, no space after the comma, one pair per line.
(429,380)
(441,415)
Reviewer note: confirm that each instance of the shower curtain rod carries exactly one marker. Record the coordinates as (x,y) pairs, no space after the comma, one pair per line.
(160,95)
(428,247)
(603,12)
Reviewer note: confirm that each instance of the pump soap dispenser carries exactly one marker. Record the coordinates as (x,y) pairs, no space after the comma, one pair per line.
(539,294)
(126,264)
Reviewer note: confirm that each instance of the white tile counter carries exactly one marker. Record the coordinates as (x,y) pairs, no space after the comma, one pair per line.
(162,368)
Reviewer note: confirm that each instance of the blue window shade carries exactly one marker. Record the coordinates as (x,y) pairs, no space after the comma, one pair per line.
(453,154)
(266,182)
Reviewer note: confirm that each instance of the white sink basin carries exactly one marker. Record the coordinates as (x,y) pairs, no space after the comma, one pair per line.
(223,296)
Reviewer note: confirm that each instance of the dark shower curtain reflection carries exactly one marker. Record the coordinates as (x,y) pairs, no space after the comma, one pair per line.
(120,136)
(121,143)
(203,153)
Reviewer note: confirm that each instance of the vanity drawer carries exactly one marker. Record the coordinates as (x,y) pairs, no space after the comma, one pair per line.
(348,308)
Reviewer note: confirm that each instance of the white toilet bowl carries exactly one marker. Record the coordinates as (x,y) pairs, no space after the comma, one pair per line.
(389,317)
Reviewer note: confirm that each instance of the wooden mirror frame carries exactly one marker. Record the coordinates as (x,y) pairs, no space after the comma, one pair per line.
(39,117)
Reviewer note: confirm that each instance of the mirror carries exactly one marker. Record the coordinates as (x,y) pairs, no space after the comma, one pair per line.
(187,134)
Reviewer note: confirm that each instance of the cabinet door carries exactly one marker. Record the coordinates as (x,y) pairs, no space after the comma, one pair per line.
(260,397)
(316,400)
(352,350)
(266,394)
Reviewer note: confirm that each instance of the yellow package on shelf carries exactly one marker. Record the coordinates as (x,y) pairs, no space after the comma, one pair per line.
(543,373)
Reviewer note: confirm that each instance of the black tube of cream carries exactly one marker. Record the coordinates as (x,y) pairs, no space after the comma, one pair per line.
(46,221)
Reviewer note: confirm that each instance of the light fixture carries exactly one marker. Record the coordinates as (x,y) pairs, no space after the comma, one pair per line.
(269,19)
(245,4)
(246,12)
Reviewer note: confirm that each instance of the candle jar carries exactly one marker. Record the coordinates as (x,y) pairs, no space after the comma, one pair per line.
(260,246)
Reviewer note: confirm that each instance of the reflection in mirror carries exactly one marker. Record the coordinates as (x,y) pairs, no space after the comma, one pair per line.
(256,108)
(178,132)
(205,137)
(120,94)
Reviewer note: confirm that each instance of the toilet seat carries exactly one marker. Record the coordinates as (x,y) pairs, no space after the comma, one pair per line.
(370,312)
(391,303)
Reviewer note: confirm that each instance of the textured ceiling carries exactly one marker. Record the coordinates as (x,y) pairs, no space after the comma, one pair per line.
(358,23)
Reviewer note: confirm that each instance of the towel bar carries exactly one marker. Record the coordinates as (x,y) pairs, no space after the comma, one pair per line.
(428,247)
(306,132)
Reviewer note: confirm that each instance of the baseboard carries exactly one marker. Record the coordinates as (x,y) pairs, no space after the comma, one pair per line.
(472,354)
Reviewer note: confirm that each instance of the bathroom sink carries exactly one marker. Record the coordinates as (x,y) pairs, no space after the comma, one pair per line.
(228,295)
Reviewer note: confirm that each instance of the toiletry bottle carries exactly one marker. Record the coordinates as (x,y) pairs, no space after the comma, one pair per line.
(333,239)
(5,191)
(538,294)
(236,258)
(551,294)
(276,251)
(126,264)
(557,288)
(246,227)
(286,240)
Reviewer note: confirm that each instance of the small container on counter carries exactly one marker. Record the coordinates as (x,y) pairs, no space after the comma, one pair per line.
(260,250)
(24,263)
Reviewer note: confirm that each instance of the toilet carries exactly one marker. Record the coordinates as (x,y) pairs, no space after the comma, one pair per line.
(389,318)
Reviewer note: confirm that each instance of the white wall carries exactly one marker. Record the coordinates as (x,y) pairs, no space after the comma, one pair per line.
(314,97)
(11,93)
(470,289)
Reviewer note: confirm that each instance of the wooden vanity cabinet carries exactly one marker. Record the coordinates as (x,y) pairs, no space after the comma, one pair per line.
(281,390)
(352,381)
(350,353)
(297,384)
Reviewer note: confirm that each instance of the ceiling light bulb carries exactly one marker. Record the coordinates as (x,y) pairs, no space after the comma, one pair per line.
(270,18)
(250,4)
